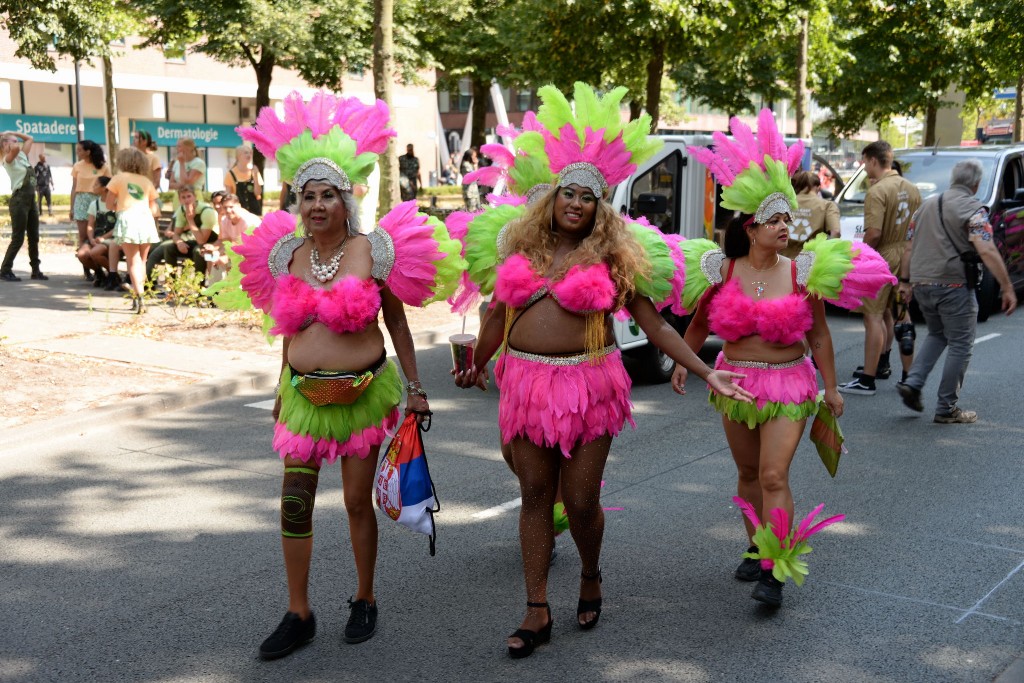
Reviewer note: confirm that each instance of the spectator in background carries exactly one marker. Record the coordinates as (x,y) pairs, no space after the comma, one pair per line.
(187,169)
(890,202)
(932,272)
(813,216)
(470,191)
(132,194)
(95,253)
(44,185)
(409,170)
(143,141)
(244,181)
(484,189)
(195,224)
(91,165)
(24,214)
(235,221)
(826,181)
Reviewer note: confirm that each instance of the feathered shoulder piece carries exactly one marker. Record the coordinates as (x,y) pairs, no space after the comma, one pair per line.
(703,260)
(754,170)
(262,254)
(480,234)
(414,255)
(586,142)
(330,137)
(842,272)
(664,283)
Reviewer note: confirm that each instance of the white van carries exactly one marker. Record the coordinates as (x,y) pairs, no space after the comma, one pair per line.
(678,195)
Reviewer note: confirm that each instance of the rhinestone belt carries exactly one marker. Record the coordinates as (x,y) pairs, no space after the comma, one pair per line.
(575,359)
(760,365)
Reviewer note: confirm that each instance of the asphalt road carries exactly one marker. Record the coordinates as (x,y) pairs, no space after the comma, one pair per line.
(149,551)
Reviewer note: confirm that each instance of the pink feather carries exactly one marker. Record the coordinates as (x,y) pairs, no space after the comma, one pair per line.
(748,510)
(795,157)
(516,281)
(771,142)
(870,273)
(254,249)
(412,275)
(746,141)
(586,289)
(779,523)
(307,448)
(822,524)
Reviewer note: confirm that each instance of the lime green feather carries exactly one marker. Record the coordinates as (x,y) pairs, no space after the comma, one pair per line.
(637,137)
(531,144)
(482,244)
(786,560)
(555,111)
(528,171)
(656,284)
(696,282)
(750,415)
(450,267)
(752,185)
(336,146)
(833,259)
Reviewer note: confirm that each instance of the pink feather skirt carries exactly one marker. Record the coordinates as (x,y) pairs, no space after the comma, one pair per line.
(562,406)
(791,385)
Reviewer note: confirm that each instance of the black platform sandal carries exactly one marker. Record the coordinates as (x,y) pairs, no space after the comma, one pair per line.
(531,639)
(584,606)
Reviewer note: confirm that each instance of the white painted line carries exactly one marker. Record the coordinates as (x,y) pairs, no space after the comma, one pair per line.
(916,600)
(499,509)
(262,405)
(987,337)
(987,595)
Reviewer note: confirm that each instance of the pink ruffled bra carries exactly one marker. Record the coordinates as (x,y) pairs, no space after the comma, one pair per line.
(582,290)
(734,315)
(350,305)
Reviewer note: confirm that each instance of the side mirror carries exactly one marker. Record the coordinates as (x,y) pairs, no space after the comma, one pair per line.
(651,204)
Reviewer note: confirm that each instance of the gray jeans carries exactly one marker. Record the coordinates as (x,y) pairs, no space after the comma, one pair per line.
(951,314)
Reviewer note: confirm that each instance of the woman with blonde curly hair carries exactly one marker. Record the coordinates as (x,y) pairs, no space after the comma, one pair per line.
(131,193)
(564,267)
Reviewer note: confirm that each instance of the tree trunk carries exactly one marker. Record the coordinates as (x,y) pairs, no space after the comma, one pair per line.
(929,125)
(264,75)
(635,109)
(481,96)
(803,95)
(1018,111)
(655,69)
(110,102)
(383,75)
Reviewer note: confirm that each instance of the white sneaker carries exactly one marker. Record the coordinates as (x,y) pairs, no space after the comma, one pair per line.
(855,387)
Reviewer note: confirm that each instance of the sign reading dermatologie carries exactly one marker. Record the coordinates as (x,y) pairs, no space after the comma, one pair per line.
(53,128)
(167,133)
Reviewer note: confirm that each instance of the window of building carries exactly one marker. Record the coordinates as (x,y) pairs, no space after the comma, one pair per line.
(660,181)
(524,100)
(444,102)
(465,95)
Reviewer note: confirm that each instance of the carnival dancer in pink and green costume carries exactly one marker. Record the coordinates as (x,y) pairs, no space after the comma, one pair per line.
(770,311)
(563,268)
(324,284)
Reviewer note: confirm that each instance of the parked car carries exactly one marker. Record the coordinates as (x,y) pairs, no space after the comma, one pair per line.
(1001,189)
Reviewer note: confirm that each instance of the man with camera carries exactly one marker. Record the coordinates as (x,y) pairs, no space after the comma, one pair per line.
(949,239)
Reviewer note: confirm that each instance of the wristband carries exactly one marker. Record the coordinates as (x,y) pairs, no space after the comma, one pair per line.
(414,387)
(905,280)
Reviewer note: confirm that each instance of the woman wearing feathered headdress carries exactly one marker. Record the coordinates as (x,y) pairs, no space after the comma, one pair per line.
(768,309)
(565,265)
(324,284)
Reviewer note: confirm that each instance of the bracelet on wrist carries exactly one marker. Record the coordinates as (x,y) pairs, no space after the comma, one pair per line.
(414,387)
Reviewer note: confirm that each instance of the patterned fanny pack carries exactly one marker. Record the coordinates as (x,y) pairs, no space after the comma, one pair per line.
(335,387)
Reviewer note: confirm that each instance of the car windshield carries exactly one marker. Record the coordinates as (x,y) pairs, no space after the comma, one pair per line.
(929,172)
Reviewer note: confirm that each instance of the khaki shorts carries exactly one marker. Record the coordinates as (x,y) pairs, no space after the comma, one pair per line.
(884,301)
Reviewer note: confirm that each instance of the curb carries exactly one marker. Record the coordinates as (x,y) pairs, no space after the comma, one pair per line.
(79,423)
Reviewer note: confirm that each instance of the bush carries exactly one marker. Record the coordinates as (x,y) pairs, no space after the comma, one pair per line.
(440,190)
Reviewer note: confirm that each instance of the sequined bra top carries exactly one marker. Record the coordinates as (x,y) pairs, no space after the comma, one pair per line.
(349,305)
(733,315)
(582,290)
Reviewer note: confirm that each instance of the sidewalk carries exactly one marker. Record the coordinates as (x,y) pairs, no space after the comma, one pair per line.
(66,315)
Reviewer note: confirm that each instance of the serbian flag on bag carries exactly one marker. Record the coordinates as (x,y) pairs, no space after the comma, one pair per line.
(404,489)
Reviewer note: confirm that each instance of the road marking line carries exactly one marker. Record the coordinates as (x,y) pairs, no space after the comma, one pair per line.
(262,405)
(917,600)
(989,594)
(498,509)
(987,337)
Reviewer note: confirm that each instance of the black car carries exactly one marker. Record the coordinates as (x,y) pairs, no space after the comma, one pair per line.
(1001,189)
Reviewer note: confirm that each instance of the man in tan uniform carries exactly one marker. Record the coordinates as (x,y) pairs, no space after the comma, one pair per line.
(814,215)
(888,206)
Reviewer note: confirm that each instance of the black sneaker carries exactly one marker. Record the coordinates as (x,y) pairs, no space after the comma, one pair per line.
(768,589)
(113,282)
(38,275)
(857,386)
(293,632)
(749,569)
(362,622)
(911,397)
(881,372)
(9,276)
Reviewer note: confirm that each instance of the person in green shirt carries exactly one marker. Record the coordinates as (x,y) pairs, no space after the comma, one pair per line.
(195,224)
(24,214)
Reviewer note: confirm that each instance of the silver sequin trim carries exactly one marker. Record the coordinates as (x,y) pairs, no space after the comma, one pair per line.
(577,359)
(502,243)
(320,168)
(536,192)
(804,263)
(711,265)
(585,175)
(758,365)
(382,253)
(537,296)
(281,254)
(774,203)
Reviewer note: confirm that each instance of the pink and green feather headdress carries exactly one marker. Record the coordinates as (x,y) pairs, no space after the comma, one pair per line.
(586,142)
(754,170)
(330,138)
(527,174)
